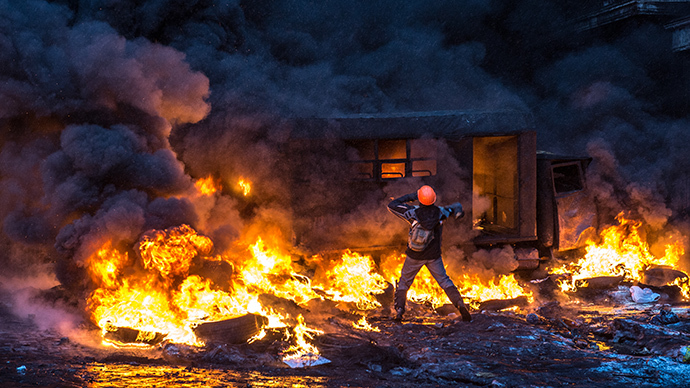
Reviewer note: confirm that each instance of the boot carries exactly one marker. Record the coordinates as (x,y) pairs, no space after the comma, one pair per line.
(399,314)
(400,300)
(456,300)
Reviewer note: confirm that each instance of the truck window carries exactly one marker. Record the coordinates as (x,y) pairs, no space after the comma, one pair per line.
(567,178)
(495,182)
(423,157)
(384,159)
(393,155)
(362,154)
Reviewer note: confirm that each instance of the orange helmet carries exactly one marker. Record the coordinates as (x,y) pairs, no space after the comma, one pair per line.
(426,195)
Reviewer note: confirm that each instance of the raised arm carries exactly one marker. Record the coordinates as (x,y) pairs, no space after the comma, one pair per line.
(401,208)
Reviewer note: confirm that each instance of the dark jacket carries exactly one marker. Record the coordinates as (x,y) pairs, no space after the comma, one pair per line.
(430,217)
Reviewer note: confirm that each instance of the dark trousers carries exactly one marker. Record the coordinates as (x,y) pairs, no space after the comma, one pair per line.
(410,269)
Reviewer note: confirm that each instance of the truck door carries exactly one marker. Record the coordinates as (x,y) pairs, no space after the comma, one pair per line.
(576,212)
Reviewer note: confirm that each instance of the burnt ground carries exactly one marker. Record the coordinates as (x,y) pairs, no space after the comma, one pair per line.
(609,342)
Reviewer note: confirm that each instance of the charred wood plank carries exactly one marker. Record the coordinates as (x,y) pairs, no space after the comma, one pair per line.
(599,282)
(231,331)
(662,276)
(500,304)
(127,335)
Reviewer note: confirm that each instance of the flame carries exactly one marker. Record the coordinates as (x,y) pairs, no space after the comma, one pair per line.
(302,348)
(207,186)
(244,186)
(106,264)
(171,252)
(163,297)
(473,288)
(503,287)
(270,270)
(354,279)
(362,324)
(621,251)
(156,287)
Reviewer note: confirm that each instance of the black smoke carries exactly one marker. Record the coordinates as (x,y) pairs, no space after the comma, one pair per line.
(110,109)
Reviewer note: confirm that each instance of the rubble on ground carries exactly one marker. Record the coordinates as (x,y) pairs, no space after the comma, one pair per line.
(604,340)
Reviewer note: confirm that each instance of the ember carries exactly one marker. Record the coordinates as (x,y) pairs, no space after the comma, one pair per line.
(244,186)
(207,186)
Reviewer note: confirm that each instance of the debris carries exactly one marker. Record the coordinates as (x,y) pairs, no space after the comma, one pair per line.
(500,304)
(497,325)
(665,317)
(662,275)
(306,360)
(671,293)
(599,282)
(446,310)
(127,335)
(534,319)
(646,295)
(639,338)
(231,331)
(21,370)
(685,354)
(548,285)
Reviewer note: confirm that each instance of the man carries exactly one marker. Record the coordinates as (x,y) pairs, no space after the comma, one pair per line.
(424,245)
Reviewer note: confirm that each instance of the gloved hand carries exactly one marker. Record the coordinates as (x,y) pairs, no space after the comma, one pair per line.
(457,210)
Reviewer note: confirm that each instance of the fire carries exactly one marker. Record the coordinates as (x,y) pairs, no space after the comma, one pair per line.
(362,324)
(621,251)
(503,287)
(207,186)
(244,186)
(354,279)
(302,348)
(164,297)
(473,288)
(156,288)
(270,270)
(171,252)
(106,264)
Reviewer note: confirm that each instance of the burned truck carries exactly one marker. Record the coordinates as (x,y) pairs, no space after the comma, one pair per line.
(513,194)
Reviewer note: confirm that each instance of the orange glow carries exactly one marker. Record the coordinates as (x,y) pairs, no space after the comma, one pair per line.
(621,251)
(502,287)
(392,170)
(207,186)
(244,186)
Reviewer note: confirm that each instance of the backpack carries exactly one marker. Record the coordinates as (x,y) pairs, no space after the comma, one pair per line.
(419,237)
